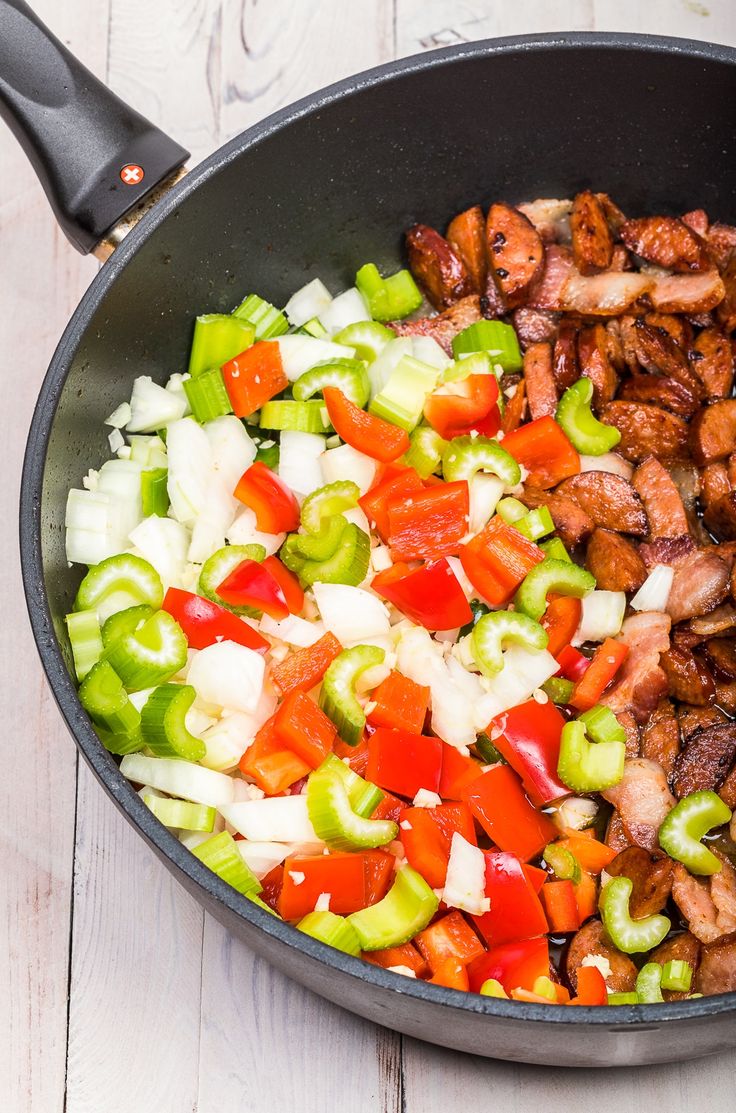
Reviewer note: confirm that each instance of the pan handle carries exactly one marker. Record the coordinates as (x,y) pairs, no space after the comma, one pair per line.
(96,158)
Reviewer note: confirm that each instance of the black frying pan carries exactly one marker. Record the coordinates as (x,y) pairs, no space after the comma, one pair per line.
(318,189)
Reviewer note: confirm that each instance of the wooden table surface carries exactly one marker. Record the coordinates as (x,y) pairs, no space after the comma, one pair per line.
(117,993)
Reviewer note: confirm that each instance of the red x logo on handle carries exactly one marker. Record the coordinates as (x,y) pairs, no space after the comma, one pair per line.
(132,174)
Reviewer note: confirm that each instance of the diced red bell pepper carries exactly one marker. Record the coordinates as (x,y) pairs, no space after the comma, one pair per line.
(426,834)
(513,413)
(429,523)
(374,503)
(586,896)
(431,596)
(535,876)
(379,874)
(304,668)
(403,762)
(489,425)
(272,884)
(205,622)
(303,727)
(572,662)
(516,911)
(591,987)
(544,450)
(355,756)
(251,585)
(454,408)
(306,876)
(271,764)
(274,505)
(399,703)
(449,938)
(530,743)
(389,808)
(498,802)
(452,974)
(288,583)
(592,855)
(606,662)
(515,965)
(368,434)
(497,559)
(254,377)
(405,955)
(560,906)
(458,771)
(561,620)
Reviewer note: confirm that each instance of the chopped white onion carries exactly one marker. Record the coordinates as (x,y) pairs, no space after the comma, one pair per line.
(227,740)
(380,370)
(262,857)
(426,349)
(273,819)
(163,543)
(523,671)
(293,630)
(116,440)
(232,449)
(465,884)
(575,812)
(351,613)
(346,462)
(655,591)
(244,531)
(602,616)
(190,469)
(426,799)
(299,353)
(93,529)
(120,416)
(228,675)
(178,778)
(610,462)
(299,465)
(310,301)
(152,406)
(346,309)
(211,526)
(485,493)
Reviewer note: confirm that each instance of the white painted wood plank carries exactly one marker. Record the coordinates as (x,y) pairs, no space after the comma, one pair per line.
(710,20)
(41,279)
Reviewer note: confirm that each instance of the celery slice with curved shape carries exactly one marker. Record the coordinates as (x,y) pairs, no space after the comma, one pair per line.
(406,909)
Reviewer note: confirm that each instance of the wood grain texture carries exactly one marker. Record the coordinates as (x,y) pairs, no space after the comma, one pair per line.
(168,1013)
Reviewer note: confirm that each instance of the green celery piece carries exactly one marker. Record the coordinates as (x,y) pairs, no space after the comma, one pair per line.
(511,510)
(555,549)
(589,766)
(298,417)
(602,725)
(558,690)
(464,456)
(327,501)
(348,564)
(368,338)
(578,423)
(220,854)
(182,814)
(218,337)
(364,796)
(560,576)
(630,936)
(494,337)
(494,630)
(337,696)
(487,752)
(564,863)
(154,492)
(401,400)
(268,321)
(623,999)
(163,723)
(151,654)
(426,447)
(684,827)
(677,974)
(492,988)
(348,375)
(649,984)
(391,298)
(331,929)
(406,909)
(218,567)
(104,698)
(324,543)
(536,524)
(334,820)
(118,582)
(85,638)
(207,395)
(122,623)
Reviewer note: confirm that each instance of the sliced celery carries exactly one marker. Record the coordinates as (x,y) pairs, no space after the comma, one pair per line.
(122,623)
(348,375)
(401,401)
(426,447)
(163,724)
(494,337)
(181,813)
(218,337)
(85,639)
(221,855)
(683,829)
(326,501)
(337,696)
(118,582)
(589,766)
(406,909)
(560,576)
(464,456)
(154,492)
(207,395)
(268,321)
(630,936)
(218,567)
(151,654)
(391,298)
(494,630)
(103,696)
(331,929)
(298,417)
(584,431)
(334,820)
(368,338)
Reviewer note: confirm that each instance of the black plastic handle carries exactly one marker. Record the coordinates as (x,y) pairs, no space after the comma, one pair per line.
(96,157)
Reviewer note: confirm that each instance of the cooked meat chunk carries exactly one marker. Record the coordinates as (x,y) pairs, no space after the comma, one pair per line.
(541,391)
(712,361)
(720,517)
(666,241)
(445,326)
(515,252)
(535,325)
(651,874)
(660,737)
(572,523)
(608,294)
(614,562)
(565,359)
(642,799)
(684,947)
(596,365)
(592,939)
(701,576)
(688,677)
(647,430)
(439,271)
(705,760)
(662,502)
(640,682)
(610,500)
(691,294)
(713,432)
(592,242)
(616,836)
(659,354)
(550,217)
(721,655)
(466,235)
(717,970)
(693,719)
(667,393)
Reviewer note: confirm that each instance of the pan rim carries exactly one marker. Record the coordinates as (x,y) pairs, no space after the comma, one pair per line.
(627,1018)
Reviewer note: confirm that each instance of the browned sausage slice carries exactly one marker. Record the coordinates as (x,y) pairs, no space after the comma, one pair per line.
(658,353)
(721,653)
(571,521)
(717,969)
(694,719)
(688,677)
(684,947)
(439,271)
(651,874)
(595,364)
(662,502)
(592,242)
(721,243)
(466,234)
(720,517)
(714,482)
(713,432)
(540,384)
(515,252)
(660,737)
(679,329)
(535,325)
(647,431)
(705,760)
(700,583)
(666,241)
(727,309)
(687,293)
(565,359)
(592,939)
(664,392)
(445,325)
(614,215)
(712,360)
(610,500)
(614,562)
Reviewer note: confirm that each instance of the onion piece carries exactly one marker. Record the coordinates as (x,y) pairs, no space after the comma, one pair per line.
(228,675)
(655,591)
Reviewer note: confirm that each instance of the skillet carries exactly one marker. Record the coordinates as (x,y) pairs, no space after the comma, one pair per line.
(318,188)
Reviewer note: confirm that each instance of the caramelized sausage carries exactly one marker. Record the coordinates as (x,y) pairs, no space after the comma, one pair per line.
(610,500)
(658,353)
(660,737)
(466,234)
(666,241)
(712,360)
(647,431)
(571,521)
(662,502)
(540,384)
(687,293)
(515,252)
(726,312)
(592,939)
(684,947)
(689,679)
(592,242)
(595,364)
(437,268)
(667,393)
(565,358)
(720,517)
(713,432)
(651,874)
(614,562)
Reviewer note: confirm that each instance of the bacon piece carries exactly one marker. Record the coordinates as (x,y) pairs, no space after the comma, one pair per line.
(540,384)
(614,562)
(726,312)
(694,719)
(592,242)
(662,503)
(717,622)
(640,682)
(687,293)
(664,392)
(614,345)
(712,360)
(547,290)
(713,432)
(684,947)
(616,837)
(592,939)
(692,897)
(532,326)
(688,677)
(705,760)
(550,217)
(697,219)
(660,737)
(610,500)
(565,360)
(721,243)
(721,654)
(717,970)
(607,294)
(633,739)
(445,325)
(466,234)
(642,799)
(701,576)
(651,874)
(595,364)
(647,431)
(437,268)
(571,521)
(665,241)
(515,252)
